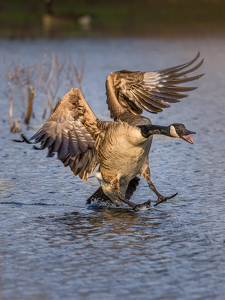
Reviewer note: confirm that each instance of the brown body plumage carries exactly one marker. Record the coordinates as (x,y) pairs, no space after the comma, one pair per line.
(120,147)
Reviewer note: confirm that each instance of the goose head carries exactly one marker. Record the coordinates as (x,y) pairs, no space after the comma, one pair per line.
(174,130)
(179,130)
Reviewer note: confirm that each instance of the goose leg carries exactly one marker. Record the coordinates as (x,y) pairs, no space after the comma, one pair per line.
(146,175)
(132,204)
(122,198)
(115,184)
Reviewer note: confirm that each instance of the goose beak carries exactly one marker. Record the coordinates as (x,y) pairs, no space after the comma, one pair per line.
(188,138)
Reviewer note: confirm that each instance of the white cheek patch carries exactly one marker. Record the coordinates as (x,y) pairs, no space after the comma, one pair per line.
(173,131)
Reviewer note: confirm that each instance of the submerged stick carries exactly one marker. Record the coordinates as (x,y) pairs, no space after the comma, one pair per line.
(30,104)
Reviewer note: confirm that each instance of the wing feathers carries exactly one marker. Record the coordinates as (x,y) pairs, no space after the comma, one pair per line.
(151,91)
(183,80)
(56,144)
(179,67)
(176,89)
(73,144)
(72,131)
(189,71)
(63,149)
(153,100)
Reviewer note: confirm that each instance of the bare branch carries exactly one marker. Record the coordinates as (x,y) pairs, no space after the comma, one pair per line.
(52,70)
(30,104)
(42,70)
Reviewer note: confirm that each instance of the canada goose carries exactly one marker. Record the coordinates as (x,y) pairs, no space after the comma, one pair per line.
(120,147)
(51,21)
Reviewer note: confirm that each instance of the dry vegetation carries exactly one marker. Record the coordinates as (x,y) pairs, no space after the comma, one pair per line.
(26,83)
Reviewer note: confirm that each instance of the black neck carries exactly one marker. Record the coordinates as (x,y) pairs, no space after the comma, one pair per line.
(147,130)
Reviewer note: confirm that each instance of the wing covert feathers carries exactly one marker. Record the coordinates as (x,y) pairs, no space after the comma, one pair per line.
(151,91)
(74,133)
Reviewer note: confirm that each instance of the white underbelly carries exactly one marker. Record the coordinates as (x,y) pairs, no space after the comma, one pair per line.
(109,191)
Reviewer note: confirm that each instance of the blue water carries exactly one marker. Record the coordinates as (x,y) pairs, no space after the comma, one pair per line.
(54,246)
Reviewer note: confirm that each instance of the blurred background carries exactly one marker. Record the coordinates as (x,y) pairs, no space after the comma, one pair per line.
(57,18)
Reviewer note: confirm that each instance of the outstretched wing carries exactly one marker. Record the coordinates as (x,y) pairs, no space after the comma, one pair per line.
(74,132)
(129,91)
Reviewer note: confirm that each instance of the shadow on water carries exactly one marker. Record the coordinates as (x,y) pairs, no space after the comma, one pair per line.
(108,226)
(116,219)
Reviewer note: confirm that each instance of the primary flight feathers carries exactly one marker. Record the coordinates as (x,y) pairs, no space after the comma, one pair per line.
(150,91)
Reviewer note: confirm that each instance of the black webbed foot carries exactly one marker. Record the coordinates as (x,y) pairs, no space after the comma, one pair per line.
(163,199)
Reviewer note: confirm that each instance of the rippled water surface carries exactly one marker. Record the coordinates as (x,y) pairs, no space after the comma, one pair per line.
(53,246)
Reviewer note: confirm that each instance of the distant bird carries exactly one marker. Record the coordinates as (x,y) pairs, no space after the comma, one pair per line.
(51,21)
(120,147)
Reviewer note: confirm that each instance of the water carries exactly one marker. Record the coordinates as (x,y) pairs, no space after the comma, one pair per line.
(53,246)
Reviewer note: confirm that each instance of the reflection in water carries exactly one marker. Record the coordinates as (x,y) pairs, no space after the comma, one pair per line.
(4,185)
(117,221)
